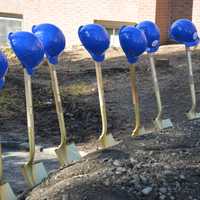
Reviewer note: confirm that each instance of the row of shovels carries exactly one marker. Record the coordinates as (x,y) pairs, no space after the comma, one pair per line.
(48,40)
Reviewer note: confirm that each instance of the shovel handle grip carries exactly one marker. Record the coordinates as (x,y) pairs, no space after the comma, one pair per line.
(58,102)
(30,117)
(1,166)
(101,99)
(191,80)
(135,98)
(156,86)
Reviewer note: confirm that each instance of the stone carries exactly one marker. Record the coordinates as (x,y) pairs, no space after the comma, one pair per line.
(117,163)
(120,170)
(163,190)
(147,190)
(162,197)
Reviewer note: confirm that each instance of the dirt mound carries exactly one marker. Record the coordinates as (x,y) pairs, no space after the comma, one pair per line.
(153,166)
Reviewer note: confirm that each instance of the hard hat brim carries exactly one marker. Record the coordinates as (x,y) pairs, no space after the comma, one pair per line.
(97,58)
(152,49)
(192,44)
(30,70)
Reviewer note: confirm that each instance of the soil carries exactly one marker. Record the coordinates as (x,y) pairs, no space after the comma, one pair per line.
(158,165)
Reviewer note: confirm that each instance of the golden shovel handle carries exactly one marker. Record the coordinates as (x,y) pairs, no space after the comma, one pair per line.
(1,166)
(30,117)
(191,80)
(58,102)
(156,86)
(101,99)
(135,100)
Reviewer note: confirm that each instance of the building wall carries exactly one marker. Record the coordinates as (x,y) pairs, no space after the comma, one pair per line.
(70,14)
(11,6)
(181,9)
(147,10)
(196,14)
(163,18)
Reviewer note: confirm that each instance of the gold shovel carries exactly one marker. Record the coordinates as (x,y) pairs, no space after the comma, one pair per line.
(138,129)
(34,173)
(6,192)
(159,122)
(105,139)
(192,114)
(66,153)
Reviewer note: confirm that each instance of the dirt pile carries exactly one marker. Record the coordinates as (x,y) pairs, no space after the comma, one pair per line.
(153,166)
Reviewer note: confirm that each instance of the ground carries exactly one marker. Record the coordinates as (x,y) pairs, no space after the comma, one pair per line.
(159,165)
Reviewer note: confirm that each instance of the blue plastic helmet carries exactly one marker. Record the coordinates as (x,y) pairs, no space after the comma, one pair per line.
(152,33)
(95,39)
(3,69)
(184,31)
(53,40)
(133,42)
(28,49)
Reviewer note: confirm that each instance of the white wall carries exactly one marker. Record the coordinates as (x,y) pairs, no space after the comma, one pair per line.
(11,6)
(70,14)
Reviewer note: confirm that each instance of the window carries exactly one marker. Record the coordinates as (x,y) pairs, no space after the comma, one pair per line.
(113,29)
(7,25)
(114,36)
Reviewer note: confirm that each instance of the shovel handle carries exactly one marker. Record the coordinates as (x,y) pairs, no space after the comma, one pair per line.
(58,102)
(135,100)
(191,79)
(101,99)
(156,86)
(30,117)
(1,166)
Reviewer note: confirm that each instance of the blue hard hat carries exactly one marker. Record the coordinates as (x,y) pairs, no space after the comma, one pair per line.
(95,39)
(53,40)
(3,69)
(3,65)
(152,33)
(133,42)
(27,48)
(184,31)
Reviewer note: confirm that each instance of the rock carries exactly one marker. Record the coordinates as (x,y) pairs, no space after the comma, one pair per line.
(162,197)
(143,179)
(116,163)
(107,182)
(120,170)
(133,161)
(147,190)
(163,190)
(182,177)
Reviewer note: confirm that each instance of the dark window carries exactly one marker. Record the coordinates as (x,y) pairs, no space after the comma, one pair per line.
(7,25)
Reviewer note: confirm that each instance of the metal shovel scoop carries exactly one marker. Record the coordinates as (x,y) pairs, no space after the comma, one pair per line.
(66,153)
(138,130)
(105,139)
(159,122)
(6,192)
(192,114)
(34,173)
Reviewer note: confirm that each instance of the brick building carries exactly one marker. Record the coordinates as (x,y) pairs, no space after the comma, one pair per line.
(70,14)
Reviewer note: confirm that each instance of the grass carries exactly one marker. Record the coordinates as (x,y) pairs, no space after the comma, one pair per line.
(78,89)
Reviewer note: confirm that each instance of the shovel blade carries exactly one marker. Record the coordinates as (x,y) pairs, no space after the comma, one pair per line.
(141,131)
(34,174)
(6,192)
(193,115)
(67,154)
(163,124)
(108,141)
